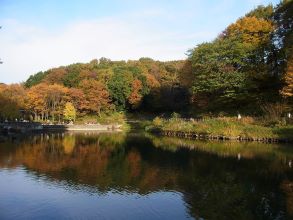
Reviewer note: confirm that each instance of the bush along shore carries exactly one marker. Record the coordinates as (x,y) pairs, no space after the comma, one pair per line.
(223,128)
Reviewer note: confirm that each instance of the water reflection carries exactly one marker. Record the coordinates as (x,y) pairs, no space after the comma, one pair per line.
(158,176)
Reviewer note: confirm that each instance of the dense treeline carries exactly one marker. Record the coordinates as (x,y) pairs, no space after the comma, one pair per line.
(100,86)
(248,65)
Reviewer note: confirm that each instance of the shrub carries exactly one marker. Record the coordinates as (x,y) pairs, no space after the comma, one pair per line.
(112,118)
(158,122)
(175,115)
(247,120)
(273,113)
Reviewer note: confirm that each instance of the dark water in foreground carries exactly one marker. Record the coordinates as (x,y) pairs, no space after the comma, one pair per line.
(137,176)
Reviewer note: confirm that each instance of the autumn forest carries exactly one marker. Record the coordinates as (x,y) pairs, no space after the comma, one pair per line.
(203,136)
(248,66)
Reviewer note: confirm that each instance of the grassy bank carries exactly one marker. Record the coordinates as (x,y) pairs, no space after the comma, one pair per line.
(115,118)
(246,128)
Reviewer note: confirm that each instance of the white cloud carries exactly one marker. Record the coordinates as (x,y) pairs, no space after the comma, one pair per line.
(27,49)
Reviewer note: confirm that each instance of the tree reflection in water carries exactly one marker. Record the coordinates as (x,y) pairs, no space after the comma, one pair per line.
(218,180)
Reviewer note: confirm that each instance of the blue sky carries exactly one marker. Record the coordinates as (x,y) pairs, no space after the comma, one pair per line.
(37,35)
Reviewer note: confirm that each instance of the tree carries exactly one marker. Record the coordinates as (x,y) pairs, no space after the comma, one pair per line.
(55,100)
(71,79)
(77,98)
(217,71)
(186,77)
(15,92)
(251,31)
(87,74)
(254,36)
(11,101)
(69,112)
(118,78)
(35,79)
(235,68)
(55,76)
(96,96)
(35,101)
(287,90)
(45,100)
(283,40)
(120,88)
(135,96)
(283,17)
(262,12)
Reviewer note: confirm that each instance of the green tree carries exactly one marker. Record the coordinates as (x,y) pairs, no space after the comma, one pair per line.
(262,12)
(120,88)
(217,71)
(283,41)
(35,79)
(235,68)
(71,79)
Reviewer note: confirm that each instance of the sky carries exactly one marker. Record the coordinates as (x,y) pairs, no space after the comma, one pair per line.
(39,35)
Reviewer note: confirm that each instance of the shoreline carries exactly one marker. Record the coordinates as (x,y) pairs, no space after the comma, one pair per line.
(109,127)
(30,127)
(196,136)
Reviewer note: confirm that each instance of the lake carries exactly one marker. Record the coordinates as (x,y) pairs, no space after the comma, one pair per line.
(140,176)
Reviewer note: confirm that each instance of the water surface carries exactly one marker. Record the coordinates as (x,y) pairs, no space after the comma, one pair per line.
(138,176)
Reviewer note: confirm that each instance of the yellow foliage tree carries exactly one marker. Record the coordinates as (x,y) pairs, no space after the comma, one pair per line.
(69,112)
(251,30)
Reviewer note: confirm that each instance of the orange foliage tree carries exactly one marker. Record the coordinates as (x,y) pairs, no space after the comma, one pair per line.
(135,96)
(45,100)
(11,101)
(35,101)
(77,98)
(56,99)
(96,96)
(55,75)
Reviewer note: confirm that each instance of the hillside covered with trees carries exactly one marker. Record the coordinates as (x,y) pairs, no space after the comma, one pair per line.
(248,66)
